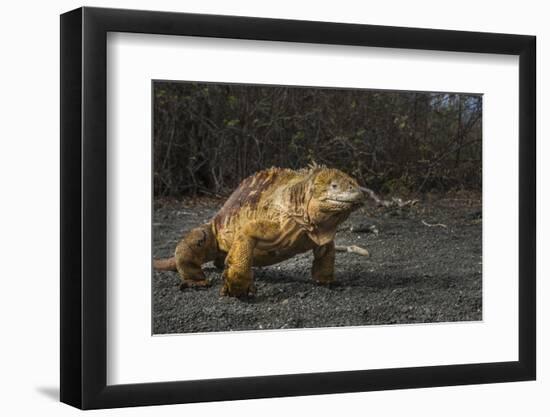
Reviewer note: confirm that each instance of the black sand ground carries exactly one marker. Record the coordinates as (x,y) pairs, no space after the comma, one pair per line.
(414,274)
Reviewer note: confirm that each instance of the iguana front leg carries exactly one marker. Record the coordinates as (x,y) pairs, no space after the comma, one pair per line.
(238,278)
(323,263)
(196,248)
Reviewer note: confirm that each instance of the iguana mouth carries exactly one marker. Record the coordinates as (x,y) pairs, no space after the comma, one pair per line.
(343,201)
(332,204)
(333,200)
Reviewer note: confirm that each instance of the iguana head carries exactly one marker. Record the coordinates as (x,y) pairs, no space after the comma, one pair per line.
(335,192)
(329,197)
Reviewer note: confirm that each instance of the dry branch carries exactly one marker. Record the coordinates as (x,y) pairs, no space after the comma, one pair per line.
(425,223)
(394,202)
(352,249)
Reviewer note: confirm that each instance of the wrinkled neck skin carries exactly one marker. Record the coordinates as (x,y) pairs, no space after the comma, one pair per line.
(312,216)
(324,223)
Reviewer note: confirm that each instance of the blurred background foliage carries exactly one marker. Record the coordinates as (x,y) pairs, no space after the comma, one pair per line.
(208,137)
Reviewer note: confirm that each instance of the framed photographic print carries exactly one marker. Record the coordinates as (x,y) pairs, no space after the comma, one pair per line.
(257,208)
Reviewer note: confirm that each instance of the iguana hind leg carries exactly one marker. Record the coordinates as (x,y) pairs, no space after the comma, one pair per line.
(195,249)
(323,263)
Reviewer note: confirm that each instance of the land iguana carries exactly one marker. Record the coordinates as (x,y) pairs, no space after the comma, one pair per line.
(272,216)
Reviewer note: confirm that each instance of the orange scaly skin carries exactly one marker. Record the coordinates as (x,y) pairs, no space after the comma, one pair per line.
(272,216)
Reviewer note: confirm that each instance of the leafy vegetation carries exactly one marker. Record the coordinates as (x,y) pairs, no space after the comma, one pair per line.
(208,137)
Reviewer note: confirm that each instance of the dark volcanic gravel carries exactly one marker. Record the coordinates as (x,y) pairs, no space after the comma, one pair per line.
(414,274)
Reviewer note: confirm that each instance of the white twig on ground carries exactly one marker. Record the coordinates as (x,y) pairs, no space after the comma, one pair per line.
(425,223)
(353,249)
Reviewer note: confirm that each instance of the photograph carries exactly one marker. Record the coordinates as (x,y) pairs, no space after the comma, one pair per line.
(290,207)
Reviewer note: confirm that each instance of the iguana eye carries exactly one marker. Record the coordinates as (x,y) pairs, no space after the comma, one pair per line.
(334,185)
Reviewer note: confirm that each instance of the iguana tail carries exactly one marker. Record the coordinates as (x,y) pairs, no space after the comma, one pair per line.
(168,264)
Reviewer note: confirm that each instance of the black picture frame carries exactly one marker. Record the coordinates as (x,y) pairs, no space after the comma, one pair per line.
(84,207)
